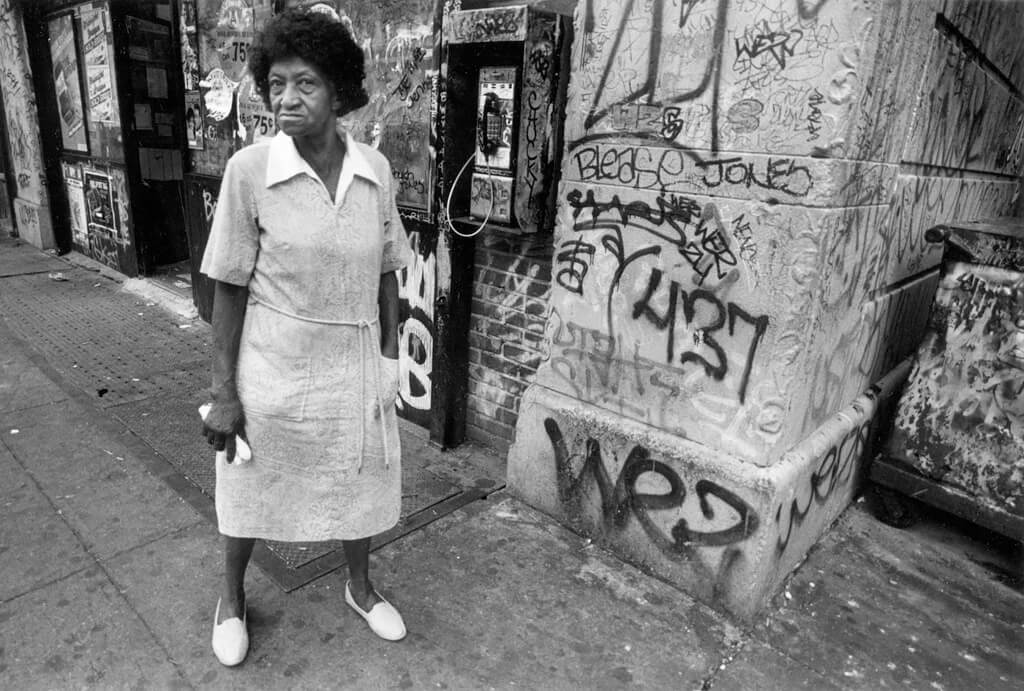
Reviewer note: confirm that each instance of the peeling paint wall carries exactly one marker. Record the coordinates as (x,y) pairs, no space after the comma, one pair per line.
(740,254)
(31,204)
(961,416)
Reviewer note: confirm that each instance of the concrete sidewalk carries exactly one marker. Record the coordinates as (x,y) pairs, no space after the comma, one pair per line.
(108,579)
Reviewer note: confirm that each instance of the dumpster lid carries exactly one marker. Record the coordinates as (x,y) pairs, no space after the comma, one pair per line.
(995,242)
(1006,226)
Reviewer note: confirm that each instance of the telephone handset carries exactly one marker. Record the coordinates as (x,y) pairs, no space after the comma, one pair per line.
(496,96)
(491,188)
(489,133)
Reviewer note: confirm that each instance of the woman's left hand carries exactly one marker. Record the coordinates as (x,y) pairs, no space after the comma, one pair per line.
(389,381)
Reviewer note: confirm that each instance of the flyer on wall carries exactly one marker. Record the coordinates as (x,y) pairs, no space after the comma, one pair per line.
(96,40)
(76,204)
(193,120)
(99,201)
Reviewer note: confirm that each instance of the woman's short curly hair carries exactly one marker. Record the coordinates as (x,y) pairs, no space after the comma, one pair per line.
(317,39)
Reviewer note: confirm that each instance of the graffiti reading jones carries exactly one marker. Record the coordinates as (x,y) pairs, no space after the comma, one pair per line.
(677,170)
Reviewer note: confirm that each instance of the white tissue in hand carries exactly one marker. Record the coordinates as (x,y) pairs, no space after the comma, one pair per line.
(242,451)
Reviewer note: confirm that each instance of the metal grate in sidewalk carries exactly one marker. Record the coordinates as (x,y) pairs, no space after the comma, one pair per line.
(111,344)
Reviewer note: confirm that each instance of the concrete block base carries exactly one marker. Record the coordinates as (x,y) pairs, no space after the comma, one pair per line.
(724,530)
(33,223)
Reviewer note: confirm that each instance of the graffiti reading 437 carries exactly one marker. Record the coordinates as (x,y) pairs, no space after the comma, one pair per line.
(705,317)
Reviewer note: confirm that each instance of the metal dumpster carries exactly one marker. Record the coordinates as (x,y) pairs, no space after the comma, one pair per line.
(957,440)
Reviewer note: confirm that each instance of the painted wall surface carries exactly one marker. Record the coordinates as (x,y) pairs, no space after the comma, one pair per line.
(961,417)
(740,249)
(31,204)
(417,286)
(724,232)
(712,524)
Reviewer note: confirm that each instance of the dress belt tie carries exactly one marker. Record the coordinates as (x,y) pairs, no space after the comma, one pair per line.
(365,333)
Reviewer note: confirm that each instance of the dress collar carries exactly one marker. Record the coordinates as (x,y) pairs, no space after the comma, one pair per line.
(284,162)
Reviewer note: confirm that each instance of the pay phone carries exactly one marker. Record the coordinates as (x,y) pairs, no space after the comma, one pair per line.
(504,117)
(491,185)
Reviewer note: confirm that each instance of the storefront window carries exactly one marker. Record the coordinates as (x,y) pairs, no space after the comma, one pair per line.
(103,117)
(67,82)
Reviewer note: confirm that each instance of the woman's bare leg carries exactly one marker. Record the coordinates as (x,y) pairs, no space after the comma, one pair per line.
(237,551)
(357,554)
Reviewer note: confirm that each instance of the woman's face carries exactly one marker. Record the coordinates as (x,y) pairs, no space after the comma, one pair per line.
(303,101)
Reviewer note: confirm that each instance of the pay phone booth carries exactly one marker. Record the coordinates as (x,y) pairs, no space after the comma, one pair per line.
(503,120)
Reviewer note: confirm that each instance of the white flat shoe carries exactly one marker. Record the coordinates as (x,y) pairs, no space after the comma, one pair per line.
(230,638)
(383,618)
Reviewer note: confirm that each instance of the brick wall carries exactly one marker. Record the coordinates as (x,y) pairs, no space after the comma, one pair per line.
(511,285)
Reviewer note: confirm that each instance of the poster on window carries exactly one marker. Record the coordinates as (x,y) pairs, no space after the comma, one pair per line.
(223,50)
(193,120)
(76,205)
(189,45)
(96,42)
(227,44)
(99,202)
(256,121)
(66,83)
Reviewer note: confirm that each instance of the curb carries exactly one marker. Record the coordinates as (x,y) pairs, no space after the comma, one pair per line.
(143,287)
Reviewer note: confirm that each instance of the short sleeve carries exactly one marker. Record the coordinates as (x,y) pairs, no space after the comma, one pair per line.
(231,249)
(397,252)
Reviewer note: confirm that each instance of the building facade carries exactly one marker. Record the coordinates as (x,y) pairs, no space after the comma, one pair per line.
(709,276)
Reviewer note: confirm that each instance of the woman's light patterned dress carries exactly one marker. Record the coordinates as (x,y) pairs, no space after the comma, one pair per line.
(318,396)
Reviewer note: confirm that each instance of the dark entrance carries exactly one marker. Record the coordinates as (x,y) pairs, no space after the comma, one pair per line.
(7,189)
(108,83)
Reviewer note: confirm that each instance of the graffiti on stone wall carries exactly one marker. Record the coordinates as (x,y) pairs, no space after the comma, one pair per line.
(713,75)
(26,216)
(678,516)
(681,170)
(417,284)
(505,24)
(696,324)
(835,474)
(864,345)
(19,111)
(679,338)
(966,119)
(654,249)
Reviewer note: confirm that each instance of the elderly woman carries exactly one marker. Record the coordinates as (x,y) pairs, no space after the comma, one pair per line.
(304,248)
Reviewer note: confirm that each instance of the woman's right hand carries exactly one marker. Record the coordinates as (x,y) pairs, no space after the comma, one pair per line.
(223,422)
